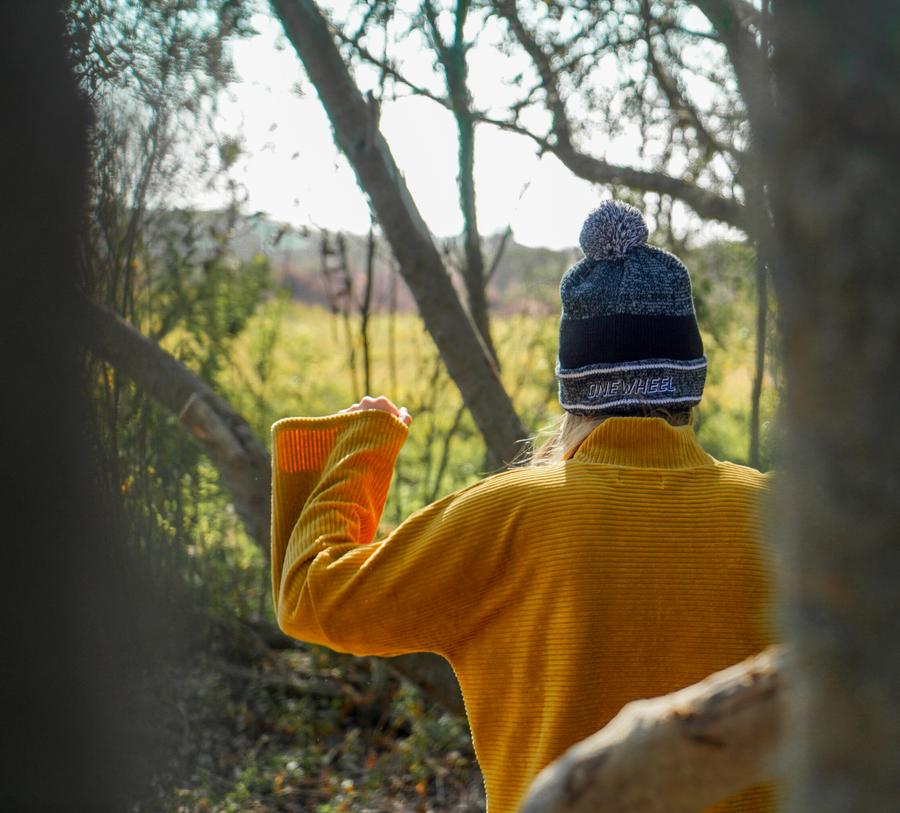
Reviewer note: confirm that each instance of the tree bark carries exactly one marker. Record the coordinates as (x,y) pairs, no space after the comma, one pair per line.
(679,753)
(355,124)
(835,189)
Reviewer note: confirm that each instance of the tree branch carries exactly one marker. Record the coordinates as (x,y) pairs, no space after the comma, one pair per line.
(729,19)
(560,129)
(358,136)
(242,461)
(679,753)
(683,109)
(453,61)
(708,205)
(390,69)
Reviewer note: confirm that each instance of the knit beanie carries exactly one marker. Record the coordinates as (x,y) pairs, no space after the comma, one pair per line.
(628,334)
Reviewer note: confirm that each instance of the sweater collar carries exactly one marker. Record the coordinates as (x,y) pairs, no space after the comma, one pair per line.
(643,443)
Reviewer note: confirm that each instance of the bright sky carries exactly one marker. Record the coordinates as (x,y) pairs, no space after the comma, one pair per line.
(292,170)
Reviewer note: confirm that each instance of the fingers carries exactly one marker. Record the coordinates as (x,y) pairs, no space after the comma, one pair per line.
(382,404)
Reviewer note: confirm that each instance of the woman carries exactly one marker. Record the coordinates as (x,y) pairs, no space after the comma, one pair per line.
(625,563)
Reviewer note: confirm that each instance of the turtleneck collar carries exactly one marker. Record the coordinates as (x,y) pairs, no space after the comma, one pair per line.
(643,443)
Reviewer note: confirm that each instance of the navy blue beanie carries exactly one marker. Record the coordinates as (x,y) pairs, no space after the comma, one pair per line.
(628,335)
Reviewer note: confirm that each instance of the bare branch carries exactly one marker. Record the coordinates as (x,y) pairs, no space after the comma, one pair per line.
(360,139)
(707,204)
(678,102)
(561,130)
(431,16)
(390,69)
(729,19)
(678,753)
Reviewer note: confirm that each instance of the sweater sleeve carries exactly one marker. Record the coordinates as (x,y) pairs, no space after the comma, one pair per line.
(418,589)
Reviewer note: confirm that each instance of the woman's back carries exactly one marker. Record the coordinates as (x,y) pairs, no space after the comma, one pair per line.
(632,570)
(558,593)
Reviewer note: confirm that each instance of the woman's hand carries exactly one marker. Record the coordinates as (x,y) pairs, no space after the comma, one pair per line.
(383,405)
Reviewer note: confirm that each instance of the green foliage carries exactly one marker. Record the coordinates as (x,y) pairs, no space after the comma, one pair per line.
(194,285)
(196,301)
(725,295)
(158,47)
(364,743)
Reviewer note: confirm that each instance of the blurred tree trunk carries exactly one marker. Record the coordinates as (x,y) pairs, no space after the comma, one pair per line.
(73,636)
(834,165)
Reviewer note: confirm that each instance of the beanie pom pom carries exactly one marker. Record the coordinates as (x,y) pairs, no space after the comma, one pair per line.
(611,230)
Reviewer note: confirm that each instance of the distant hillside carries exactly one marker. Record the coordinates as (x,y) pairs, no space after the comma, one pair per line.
(310,264)
(329,269)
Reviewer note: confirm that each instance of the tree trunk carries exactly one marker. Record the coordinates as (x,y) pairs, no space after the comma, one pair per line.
(679,753)
(73,624)
(473,273)
(759,371)
(453,60)
(355,123)
(835,167)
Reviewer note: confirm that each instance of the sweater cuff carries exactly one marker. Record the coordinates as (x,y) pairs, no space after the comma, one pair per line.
(304,444)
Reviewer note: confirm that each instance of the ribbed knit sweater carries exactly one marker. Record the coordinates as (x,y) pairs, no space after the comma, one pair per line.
(558,593)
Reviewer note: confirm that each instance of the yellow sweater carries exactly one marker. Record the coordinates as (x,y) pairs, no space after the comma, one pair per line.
(557,593)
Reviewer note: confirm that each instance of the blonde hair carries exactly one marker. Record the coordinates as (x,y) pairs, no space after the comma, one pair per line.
(560,439)
(566,433)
